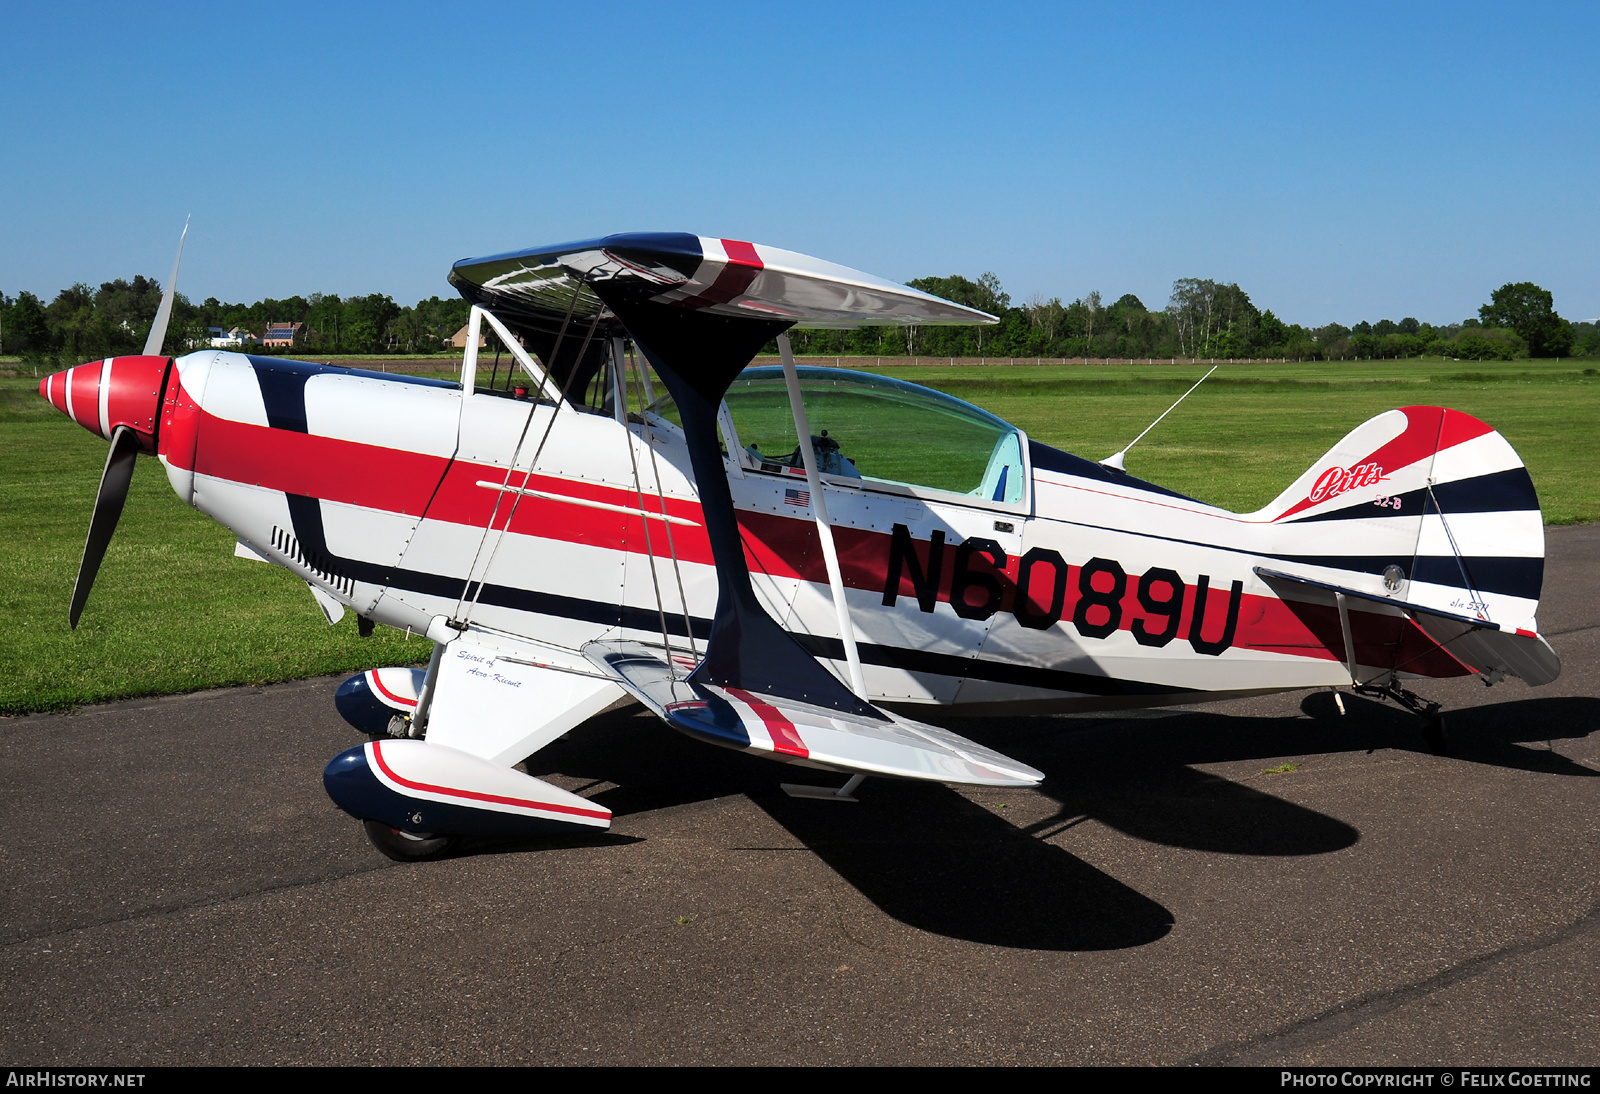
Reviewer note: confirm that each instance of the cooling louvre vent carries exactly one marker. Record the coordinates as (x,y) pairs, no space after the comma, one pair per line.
(287,545)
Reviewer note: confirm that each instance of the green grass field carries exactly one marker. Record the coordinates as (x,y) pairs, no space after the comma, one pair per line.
(174,611)
(1251,429)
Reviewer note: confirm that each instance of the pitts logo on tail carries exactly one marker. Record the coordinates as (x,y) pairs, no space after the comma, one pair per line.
(1336,480)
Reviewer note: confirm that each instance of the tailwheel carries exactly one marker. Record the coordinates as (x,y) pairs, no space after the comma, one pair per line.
(403,846)
(1428,711)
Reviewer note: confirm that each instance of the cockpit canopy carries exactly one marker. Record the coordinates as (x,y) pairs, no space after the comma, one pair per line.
(879,430)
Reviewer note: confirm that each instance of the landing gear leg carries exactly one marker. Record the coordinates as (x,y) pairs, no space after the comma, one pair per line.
(1428,711)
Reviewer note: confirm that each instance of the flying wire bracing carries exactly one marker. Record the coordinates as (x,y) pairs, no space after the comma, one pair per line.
(643,383)
(516,454)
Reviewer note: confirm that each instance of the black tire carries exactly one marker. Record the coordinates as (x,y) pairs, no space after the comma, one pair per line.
(408,846)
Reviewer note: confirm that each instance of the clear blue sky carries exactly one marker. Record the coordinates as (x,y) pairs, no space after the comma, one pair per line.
(1340,162)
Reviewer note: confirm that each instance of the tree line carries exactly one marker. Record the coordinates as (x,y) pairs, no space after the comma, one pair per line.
(82,324)
(1202,319)
(1209,319)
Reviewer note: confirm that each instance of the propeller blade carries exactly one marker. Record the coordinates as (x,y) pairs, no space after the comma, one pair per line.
(158,330)
(107,511)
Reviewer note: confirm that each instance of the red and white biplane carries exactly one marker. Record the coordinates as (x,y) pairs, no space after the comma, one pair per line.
(791,561)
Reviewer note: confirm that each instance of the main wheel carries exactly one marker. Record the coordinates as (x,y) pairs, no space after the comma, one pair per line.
(405,846)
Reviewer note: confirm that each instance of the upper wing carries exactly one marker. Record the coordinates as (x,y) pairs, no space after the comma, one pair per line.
(726,277)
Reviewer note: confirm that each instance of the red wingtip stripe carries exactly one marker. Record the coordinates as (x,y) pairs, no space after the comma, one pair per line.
(785,738)
(741,253)
(738,273)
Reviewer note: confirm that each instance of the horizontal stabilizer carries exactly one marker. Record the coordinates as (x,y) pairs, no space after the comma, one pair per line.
(797,732)
(1522,654)
(1484,646)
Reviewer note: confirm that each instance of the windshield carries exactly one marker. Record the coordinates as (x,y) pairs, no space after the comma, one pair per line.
(881,430)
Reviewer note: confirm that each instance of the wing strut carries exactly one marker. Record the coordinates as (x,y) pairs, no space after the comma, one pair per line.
(698,310)
(469,359)
(819,510)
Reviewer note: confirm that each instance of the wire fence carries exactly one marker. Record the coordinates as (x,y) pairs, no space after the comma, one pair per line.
(1012,362)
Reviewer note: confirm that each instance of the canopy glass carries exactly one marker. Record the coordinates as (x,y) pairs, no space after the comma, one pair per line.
(880,430)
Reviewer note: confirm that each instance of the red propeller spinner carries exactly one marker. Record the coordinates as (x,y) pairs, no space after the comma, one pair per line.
(119,391)
(120,399)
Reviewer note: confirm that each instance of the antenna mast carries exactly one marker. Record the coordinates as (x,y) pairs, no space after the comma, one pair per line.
(1115,462)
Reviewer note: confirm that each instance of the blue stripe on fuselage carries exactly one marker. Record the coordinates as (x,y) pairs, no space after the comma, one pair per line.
(283,386)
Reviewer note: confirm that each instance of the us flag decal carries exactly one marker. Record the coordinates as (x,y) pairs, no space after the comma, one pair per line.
(797,497)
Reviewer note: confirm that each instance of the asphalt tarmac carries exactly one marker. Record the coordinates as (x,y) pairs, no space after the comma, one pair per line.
(1254,882)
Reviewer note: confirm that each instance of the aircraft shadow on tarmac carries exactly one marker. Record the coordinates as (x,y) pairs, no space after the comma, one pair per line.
(924,854)
(1496,734)
(936,861)
(1135,773)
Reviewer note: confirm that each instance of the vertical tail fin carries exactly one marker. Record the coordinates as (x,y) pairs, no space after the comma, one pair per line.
(1425,505)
